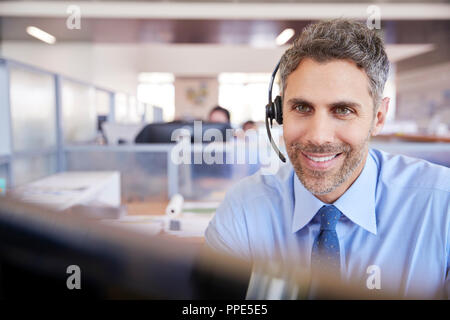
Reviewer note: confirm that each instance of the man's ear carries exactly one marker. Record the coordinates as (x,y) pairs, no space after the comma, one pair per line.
(380,116)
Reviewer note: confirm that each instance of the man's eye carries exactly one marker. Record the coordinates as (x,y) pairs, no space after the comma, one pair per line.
(303,108)
(343,111)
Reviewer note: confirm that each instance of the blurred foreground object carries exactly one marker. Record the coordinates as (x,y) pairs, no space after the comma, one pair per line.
(38,245)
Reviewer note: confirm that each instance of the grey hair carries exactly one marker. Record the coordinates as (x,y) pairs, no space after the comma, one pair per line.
(340,39)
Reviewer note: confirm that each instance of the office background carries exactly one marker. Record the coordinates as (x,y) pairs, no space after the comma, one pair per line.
(132,63)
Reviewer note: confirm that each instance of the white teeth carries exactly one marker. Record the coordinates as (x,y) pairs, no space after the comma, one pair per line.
(321,159)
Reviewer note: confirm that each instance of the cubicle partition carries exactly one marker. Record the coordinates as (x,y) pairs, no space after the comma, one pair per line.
(41,112)
(29,143)
(150,173)
(144,170)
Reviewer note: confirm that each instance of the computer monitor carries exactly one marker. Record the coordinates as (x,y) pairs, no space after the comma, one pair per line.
(161,132)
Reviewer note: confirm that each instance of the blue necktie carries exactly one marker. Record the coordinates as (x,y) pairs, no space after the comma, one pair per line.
(325,255)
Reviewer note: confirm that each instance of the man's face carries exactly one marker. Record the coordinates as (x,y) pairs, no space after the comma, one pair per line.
(328,118)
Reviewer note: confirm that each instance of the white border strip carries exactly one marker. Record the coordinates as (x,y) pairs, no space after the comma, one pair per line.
(250,11)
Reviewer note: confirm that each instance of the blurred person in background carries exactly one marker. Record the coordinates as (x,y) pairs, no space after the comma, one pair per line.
(247,125)
(219,114)
(250,124)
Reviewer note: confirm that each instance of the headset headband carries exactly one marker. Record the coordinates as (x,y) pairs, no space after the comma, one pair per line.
(273,111)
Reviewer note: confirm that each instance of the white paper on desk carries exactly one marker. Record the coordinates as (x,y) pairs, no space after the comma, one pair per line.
(142,224)
(64,190)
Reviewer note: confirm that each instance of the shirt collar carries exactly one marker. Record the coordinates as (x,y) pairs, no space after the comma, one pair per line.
(357,203)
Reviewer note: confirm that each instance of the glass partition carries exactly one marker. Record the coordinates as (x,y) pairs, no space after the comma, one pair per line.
(79,119)
(102,102)
(210,182)
(121,107)
(148,113)
(214,168)
(141,110)
(143,175)
(33,111)
(33,167)
(134,114)
(151,172)
(32,101)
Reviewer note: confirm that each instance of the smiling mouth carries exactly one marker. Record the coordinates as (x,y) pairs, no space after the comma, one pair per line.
(322,158)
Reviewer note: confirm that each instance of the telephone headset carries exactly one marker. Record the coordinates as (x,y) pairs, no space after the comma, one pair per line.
(274,110)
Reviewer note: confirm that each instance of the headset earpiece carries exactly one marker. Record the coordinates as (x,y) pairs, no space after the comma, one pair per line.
(270,113)
(278,110)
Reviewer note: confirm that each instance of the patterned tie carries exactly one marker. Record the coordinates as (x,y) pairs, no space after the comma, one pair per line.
(325,256)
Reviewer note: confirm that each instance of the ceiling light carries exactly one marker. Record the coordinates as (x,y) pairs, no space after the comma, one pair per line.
(284,36)
(41,35)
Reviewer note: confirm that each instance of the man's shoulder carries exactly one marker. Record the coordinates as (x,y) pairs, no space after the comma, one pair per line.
(247,211)
(408,172)
(262,184)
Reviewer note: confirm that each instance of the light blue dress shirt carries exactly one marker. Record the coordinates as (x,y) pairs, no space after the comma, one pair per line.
(396,216)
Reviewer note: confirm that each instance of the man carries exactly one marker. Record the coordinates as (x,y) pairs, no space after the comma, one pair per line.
(367,212)
(249,125)
(219,114)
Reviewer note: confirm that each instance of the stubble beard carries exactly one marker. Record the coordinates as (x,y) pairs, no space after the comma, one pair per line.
(323,182)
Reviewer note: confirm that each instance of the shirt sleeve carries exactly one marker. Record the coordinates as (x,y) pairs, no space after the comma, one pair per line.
(227,232)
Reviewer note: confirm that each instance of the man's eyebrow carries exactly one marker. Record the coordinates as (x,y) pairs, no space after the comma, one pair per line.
(297,101)
(342,103)
(345,103)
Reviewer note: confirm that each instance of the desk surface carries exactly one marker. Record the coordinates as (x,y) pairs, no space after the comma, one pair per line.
(147,208)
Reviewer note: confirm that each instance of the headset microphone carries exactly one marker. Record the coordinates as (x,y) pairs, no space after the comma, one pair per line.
(274,110)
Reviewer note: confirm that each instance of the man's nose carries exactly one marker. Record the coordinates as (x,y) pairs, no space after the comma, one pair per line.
(320,129)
